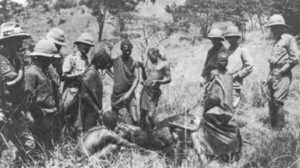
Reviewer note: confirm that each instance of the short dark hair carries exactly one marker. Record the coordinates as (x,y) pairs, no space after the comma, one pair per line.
(102,57)
(126,42)
(110,119)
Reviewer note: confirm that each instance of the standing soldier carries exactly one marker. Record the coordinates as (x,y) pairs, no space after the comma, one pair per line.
(73,67)
(284,57)
(58,37)
(212,56)
(155,73)
(126,79)
(240,63)
(12,95)
(38,81)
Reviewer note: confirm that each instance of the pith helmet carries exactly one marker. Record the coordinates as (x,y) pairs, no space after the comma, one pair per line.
(216,34)
(232,31)
(85,38)
(45,48)
(57,35)
(12,30)
(276,20)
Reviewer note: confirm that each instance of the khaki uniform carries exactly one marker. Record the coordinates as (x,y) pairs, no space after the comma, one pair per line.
(17,130)
(284,57)
(43,109)
(240,63)
(73,64)
(86,115)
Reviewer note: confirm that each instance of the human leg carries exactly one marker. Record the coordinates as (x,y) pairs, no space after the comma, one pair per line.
(132,110)
(279,89)
(280,115)
(143,118)
(150,119)
(115,115)
(236,97)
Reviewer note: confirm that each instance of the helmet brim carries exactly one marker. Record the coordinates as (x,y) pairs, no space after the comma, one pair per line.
(60,43)
(276,24)
(215,37)
(20,35)
(84,42)
(41,54)
(233,35)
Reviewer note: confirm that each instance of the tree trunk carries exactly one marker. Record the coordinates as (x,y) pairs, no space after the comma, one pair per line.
(101,21)
(101,26)
(121,22)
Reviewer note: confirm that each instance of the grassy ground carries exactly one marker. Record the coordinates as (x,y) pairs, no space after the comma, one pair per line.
(263,147)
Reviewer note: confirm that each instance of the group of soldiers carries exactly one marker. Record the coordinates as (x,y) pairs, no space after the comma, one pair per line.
(46,96)
(54,95)
(236,61)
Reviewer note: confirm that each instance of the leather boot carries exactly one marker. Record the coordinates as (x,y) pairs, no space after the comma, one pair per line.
(277,113)
(272,114)
(280,116)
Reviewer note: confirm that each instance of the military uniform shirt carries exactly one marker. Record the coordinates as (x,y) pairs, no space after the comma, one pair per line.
(75,64)
(39,83)
(240,63)
(284,52)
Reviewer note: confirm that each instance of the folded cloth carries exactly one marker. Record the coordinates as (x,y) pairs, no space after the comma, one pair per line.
(221,137)
(149,98)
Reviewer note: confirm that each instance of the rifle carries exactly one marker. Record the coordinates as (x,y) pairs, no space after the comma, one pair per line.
(55,95)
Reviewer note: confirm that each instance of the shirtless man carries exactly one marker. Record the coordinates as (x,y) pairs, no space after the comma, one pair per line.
(156,72)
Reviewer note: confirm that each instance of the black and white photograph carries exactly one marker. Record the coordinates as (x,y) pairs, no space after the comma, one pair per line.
(149,84)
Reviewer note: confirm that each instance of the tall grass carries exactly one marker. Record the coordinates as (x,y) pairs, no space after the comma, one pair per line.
(263,147)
